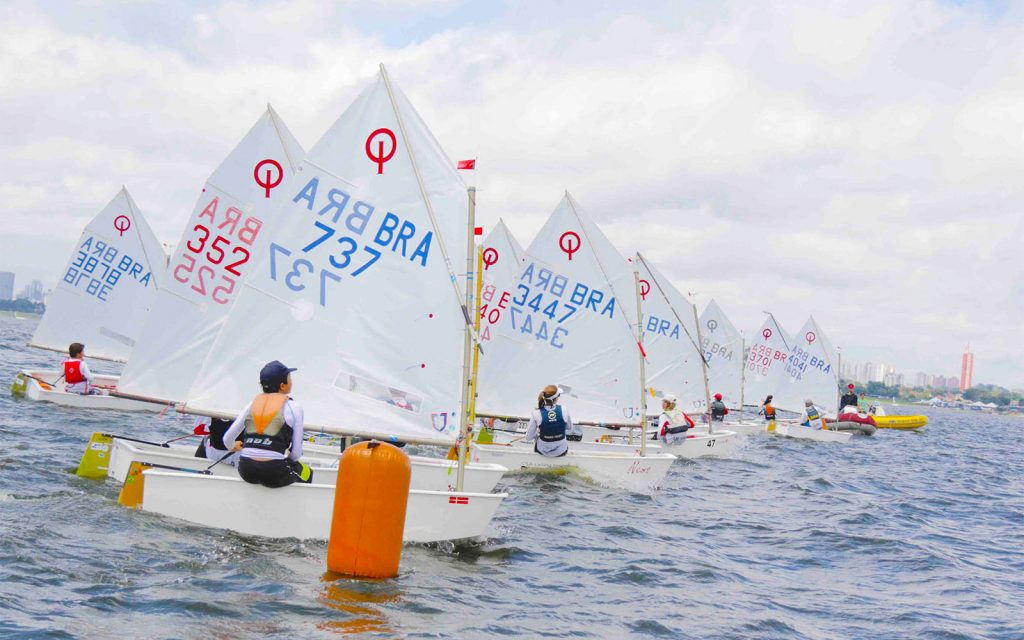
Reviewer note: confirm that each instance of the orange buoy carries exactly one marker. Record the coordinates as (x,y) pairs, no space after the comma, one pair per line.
(369,511)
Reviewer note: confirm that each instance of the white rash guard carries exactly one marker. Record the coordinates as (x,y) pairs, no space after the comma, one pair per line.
(293,416)
(558,447)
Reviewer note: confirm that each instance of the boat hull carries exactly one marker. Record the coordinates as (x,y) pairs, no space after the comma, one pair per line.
(900,422)
(431,474)
(704,444)
(304,511)
(813,433)
(625,471)
(856,428)
(30,388)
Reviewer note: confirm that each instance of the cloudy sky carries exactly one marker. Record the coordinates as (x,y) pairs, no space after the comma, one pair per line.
(858,161)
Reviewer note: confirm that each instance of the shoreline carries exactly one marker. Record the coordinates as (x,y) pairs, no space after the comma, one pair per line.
(19,315)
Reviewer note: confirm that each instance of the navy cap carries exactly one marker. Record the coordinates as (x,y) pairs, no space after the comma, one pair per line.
(274,374)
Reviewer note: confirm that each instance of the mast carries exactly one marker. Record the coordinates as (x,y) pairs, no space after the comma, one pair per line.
(743,367)
(678,319)
(839,376)
(643,369)
(465,423)
(704,368)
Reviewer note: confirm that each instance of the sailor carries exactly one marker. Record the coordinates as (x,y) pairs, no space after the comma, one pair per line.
(672,423)
(812,417)
(212,447)
(550,425)
(849,399)
(767,410)
(718,409)
(77,377)
(271,430)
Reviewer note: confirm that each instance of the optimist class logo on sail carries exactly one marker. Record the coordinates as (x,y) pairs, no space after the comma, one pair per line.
(345,238)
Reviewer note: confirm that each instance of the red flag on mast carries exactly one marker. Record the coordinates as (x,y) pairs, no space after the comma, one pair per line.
(467,165)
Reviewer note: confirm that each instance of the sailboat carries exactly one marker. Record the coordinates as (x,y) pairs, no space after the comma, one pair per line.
(674,362)
(357,289)
(573,320)
(766,362)
(723,350)
(810,373)
(109,281)
(229,227)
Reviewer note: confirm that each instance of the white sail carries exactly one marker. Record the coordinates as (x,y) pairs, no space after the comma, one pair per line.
(723,350)
(106,287)
(228,229)
(356,288)
(810,372)
(503,262)
(670,341)
(766,362)
(571,322)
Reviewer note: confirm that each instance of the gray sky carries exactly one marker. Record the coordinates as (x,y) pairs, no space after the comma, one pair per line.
(858,161)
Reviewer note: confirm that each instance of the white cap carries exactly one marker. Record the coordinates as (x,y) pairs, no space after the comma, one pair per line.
(669,398)
(808,402)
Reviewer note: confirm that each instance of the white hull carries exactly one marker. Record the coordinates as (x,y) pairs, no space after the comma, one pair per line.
(31,389)
(617,446)
(745,428)
(698,444)
(704,444)
(429,474)
(812,433)
(626,471)
(304,510)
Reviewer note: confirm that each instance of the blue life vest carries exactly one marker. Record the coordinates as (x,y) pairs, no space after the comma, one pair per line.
(552,424)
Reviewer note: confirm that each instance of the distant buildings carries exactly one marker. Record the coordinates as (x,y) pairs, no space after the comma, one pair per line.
(33,292)
(887,375)
(6,285)
(966,369)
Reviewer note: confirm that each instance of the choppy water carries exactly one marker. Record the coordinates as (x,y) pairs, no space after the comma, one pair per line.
(901,535)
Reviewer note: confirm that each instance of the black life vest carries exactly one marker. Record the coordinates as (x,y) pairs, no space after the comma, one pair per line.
(848,400)
(269,433)
(552,424)
(718,411)
(218,428)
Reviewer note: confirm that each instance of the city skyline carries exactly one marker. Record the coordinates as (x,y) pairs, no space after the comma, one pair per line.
(33,291)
